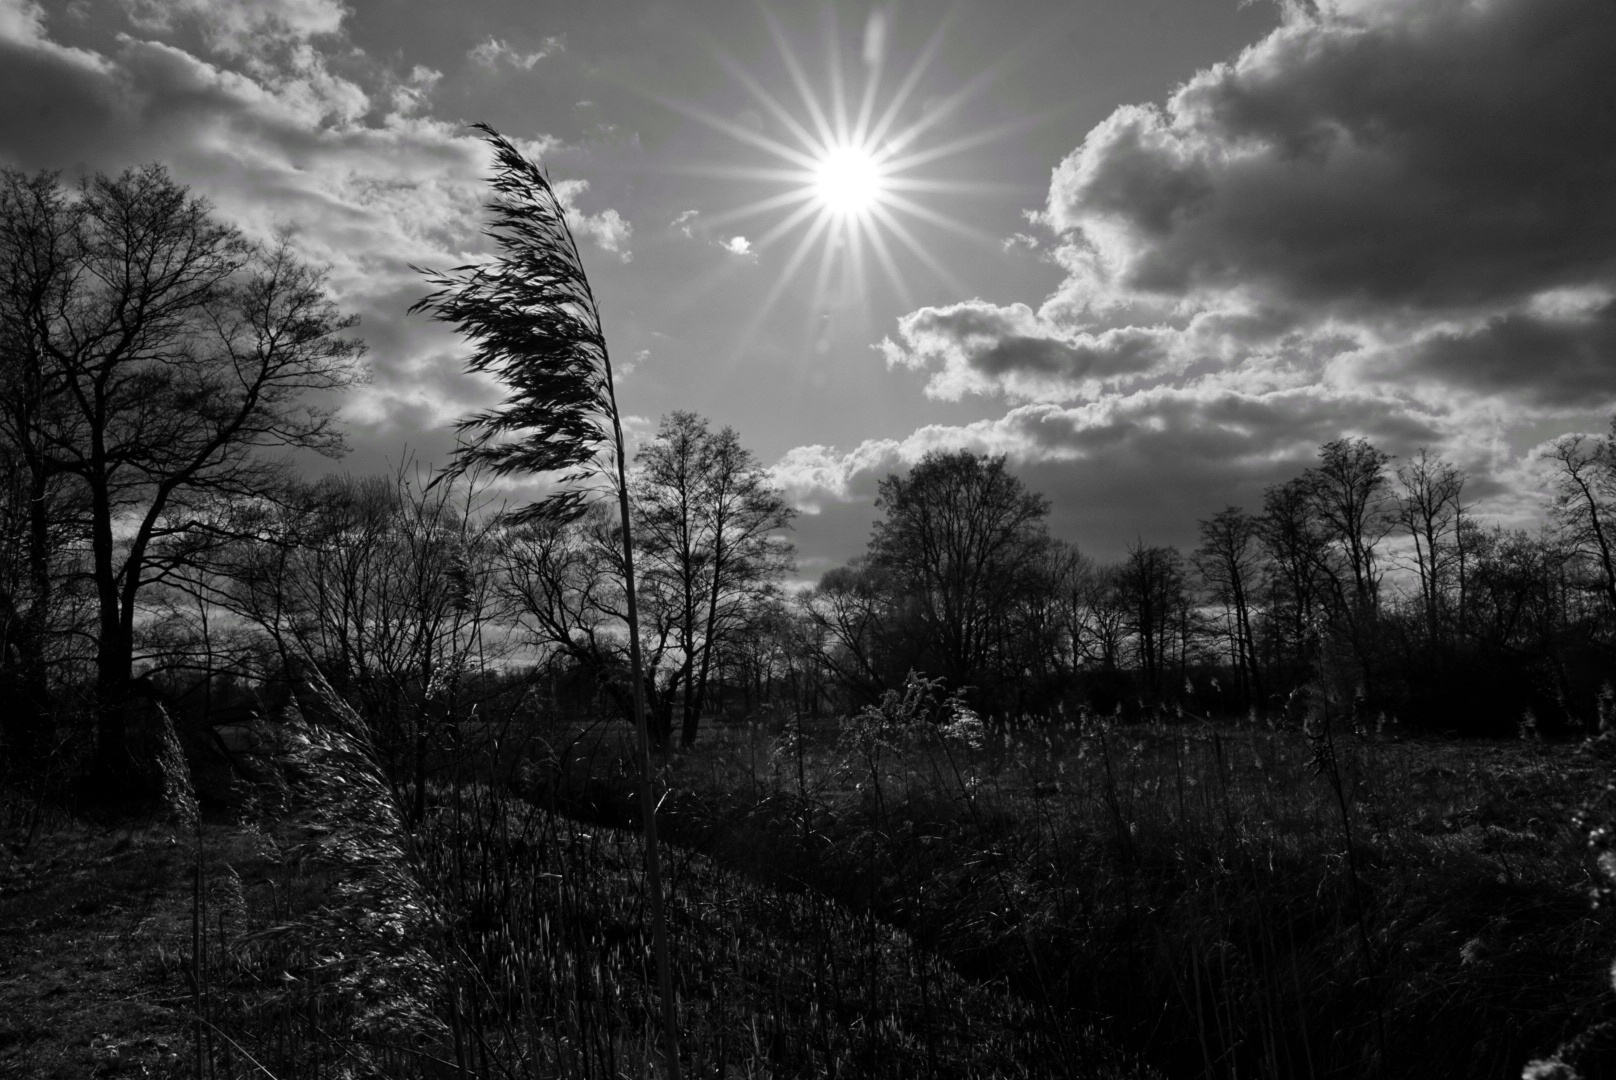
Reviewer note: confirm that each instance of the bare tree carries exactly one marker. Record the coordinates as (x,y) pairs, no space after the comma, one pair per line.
(1430,511)
(44,616)
(153,353)
(1230,561)
(1153,588)
(562,583)
(1584,478)
(1051,610)
(854,610)
(1101,628)
(1350,496)
(386,585)
(1297,551)
(711,526)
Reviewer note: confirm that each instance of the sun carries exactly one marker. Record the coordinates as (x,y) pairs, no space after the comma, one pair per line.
(853,182)
(848,180)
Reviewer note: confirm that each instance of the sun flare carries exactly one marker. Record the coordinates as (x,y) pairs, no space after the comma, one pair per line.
(854,169)
(848,180)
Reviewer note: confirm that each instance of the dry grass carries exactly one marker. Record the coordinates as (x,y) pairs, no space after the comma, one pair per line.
(1189,886)
(497,939)
(841,904)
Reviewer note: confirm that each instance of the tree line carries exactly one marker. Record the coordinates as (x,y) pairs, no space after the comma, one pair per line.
(1367,583)
(156,365)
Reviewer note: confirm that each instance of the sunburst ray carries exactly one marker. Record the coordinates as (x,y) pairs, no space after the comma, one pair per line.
(852,167)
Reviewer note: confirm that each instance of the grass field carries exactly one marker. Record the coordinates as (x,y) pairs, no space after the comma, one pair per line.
(856,899)
(1215,898)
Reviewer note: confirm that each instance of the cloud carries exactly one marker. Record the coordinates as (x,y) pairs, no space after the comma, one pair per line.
(607,229)
(1148,464)
(741,246)
(1553,360)
(1402,180)
(685,222)
(409,94)
(629,366)
(279,140)
(494,52)
(811,475)
(23,35)
(243,27)
(1435,156)
(976,347)
(1385,219)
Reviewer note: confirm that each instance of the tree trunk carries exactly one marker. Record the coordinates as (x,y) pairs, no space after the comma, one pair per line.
(25,724)
(28,728)
(113,766)
(698,698)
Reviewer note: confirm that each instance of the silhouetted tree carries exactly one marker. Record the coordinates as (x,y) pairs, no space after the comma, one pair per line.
(1430,511)
(856,614)
(152,353)
(387,587)
(1350,497)
(1230,562)
(960,536)
(1584,479)
(710,524)
(1296,547)
(1102,627)
(1153,591)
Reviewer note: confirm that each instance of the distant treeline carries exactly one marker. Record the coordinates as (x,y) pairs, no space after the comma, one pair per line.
(1364,586)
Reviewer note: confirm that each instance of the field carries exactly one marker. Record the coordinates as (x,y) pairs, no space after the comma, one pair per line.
(869,898)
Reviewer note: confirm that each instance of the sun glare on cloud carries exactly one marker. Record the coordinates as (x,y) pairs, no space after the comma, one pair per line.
(853,179)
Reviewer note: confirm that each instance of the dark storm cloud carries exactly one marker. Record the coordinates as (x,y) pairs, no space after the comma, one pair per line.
(1433,156)
(1549,360)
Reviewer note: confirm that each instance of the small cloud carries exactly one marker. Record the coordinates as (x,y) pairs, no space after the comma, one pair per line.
(637,431)
(410,95)
(685,222)
(607,229)
(739,245)
(627,367)
(1025,241)
(493,52)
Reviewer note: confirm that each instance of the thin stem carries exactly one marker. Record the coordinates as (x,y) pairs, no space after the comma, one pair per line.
(653,860)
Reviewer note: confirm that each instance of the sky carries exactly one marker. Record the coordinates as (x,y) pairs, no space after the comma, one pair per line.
(1154,251)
